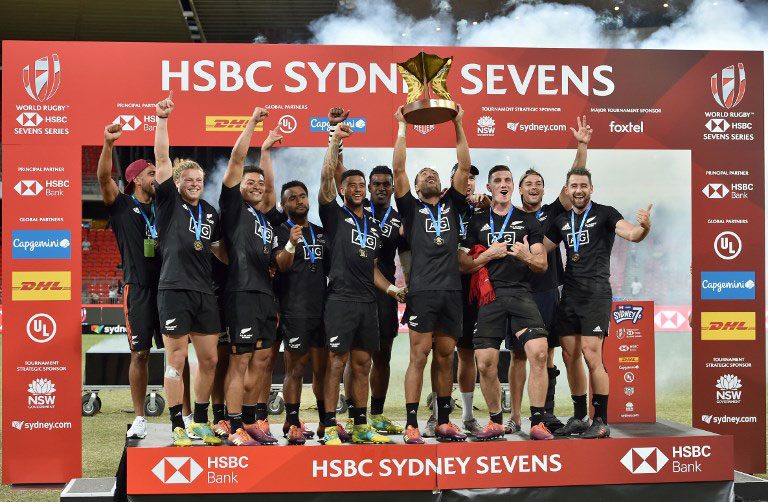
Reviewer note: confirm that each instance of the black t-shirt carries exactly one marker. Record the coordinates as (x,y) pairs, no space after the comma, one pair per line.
(300,290)
(433,266)
(131,230)
(553,277)
(507,274)
(351,276)
(218,276)
(466,279)
(247,232)
(183,266)
(391,240)
(590,276)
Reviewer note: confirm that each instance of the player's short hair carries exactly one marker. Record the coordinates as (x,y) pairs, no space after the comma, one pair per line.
(292,184)
(416,179)
(351,172)
(181,165)
(578,171)
(530,172)
(497,168)
(381,170)
(253,169)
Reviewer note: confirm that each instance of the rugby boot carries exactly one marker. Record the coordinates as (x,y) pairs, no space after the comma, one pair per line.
(204,432)
(180,437)
(256,431)
(221,429)
(472,427)
(429,430)
(364,433)
(540,432)
(598,430)
(412,436)
(295,436)
(308,434)
(573,426)
(449,432)
(490,432)
(331,437)
(385,425)
(241,438)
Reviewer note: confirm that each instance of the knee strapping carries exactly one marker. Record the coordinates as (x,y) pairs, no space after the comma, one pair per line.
(171,373)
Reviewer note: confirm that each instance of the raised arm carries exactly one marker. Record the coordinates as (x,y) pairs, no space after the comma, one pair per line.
(234,173)
(327,190)
(461,177)
(107,185)
(265,163)
(163,110)
(402,186)
(582,134)
(336,116)
(632,232)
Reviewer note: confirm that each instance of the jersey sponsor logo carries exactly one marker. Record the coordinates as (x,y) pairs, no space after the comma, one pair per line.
(508,237)
(259,232)
(728,286)
(39,286)
(583,237)
(386,229)
(205,231)
(370,240)
(224,123)
(318,250)
(445,225)
(728,326)
(41,244)
(625,313)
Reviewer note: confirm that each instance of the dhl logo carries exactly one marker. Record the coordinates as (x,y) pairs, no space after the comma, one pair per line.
(41,286)
(728,326)
(228,123)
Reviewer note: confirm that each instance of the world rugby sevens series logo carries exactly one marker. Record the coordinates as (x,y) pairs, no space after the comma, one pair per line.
(42,81)
(724,89)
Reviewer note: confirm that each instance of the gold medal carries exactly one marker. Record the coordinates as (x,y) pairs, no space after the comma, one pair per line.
(363,254)
(313,268)
(575,257)
(439,241)
(198,245)
(266,250)
(154,242)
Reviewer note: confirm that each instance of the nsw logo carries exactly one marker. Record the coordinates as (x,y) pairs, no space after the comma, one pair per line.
(177,470)
(41,244)
(727,90)
(41,80)
(728,389)
(625,313)
(728,286)
(648,460)
(41,394)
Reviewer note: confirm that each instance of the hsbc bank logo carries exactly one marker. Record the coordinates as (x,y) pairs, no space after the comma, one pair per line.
(28,188)
(41,80)
(715,191)
(129,122)
(29,119)
(648,460)
(727,91)
(717,125)
(177,470)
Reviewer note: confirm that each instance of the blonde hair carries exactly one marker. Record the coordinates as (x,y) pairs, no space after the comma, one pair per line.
(181,165)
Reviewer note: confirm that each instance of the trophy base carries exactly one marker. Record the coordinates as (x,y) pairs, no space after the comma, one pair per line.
(430,111)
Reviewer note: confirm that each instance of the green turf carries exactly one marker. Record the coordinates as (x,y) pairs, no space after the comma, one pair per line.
(103,434)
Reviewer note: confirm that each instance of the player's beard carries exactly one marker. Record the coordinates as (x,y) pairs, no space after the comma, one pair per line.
(297,213)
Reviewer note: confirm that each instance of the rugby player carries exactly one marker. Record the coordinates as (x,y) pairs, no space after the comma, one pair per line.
(584,312)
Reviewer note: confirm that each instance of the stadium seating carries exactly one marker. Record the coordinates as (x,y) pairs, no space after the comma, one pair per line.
(100,264)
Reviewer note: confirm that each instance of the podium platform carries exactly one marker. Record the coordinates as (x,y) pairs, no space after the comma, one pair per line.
(663,460)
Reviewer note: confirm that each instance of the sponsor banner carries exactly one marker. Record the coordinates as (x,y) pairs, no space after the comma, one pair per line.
(430,467)
(629,356)
(41,286)
(728,326)
(41,244)
(728,285)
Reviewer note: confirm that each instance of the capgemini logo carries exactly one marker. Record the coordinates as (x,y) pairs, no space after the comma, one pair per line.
(41,80)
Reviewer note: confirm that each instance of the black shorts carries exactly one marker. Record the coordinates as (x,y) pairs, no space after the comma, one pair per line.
(224,336)
(508,313)
(435,311)
(141,320)
(183,311)
(585,317)
(351,325)
(299,334)
(547,302)
(467,327)
(387,310)
(251,320)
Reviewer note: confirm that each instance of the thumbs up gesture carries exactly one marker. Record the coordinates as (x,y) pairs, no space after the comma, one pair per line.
(644,217)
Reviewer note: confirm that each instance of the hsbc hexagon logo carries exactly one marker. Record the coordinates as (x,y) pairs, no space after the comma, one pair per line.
(177,470)
(715,191)
(29,119)
(717,125)
(41,80)
(28,187)
(725,90)
(644,460)
(129,122)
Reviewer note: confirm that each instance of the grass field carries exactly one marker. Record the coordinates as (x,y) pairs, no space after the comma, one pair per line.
(103,434)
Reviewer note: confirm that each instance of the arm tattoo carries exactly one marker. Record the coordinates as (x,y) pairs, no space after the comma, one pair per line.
(327,184)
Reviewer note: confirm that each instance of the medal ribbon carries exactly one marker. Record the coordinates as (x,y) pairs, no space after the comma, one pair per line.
(310,249)
(581,227)
(498,236)
(538,213)
(364,234)
(152,226)
(384,219)
(263,222)
(199,222)
(436,223)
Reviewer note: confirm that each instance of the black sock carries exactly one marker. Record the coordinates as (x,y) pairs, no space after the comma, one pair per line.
(177,417)
(201,412)
(443,409)
(235,422)
(498,418)
(218,413)
(350,408)
(249,414)
(320,410)
(600,402)
(536,414)
(549,403)
(330,419)
(261,411)
(361,416)
(377,405)
(411,417)
(292,414)
(580,406)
